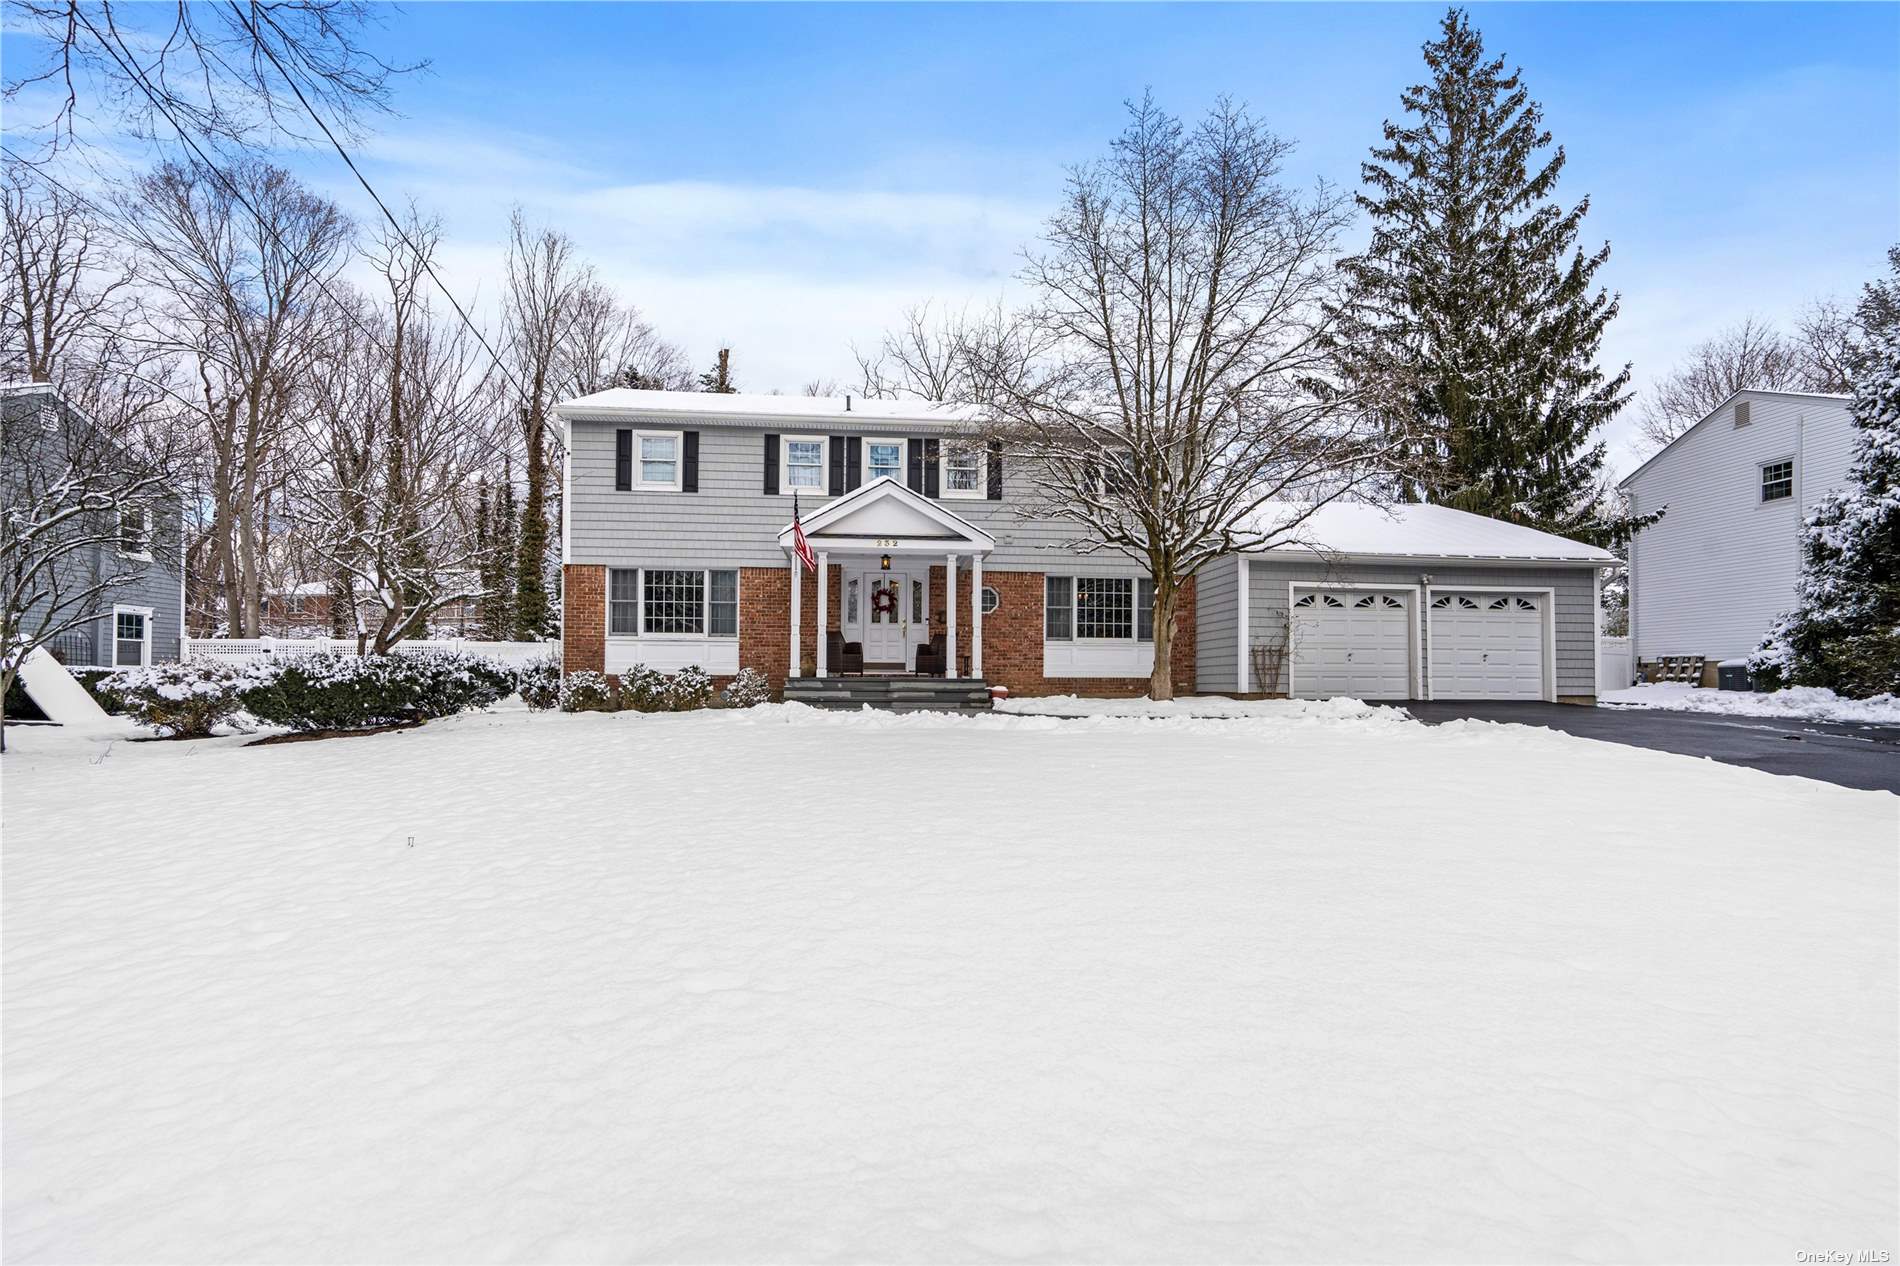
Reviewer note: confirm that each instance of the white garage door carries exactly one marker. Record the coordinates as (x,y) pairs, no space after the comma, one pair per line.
(1487,646)
(1347,642)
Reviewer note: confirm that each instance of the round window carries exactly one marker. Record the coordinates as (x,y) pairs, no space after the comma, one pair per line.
(991,599)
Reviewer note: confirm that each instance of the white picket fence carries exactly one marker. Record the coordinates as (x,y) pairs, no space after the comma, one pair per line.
(232,650)
(1616,663)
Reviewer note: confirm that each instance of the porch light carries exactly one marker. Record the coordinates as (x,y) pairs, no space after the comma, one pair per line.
(884,563)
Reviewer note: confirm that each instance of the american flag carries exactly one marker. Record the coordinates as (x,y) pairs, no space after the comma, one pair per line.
(800,545)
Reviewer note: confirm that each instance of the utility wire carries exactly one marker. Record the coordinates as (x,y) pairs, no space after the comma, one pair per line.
(427,264)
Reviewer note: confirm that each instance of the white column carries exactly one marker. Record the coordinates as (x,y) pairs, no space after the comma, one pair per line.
(823,613)
(798,616)
(976,615)
(1243,669)
(950,616)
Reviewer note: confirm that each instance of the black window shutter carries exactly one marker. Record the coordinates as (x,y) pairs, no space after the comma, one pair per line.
(853,463)
(996,470)
(916,465)
(931,451)
(835,447)
(689,462)
(623,461)
(771,463)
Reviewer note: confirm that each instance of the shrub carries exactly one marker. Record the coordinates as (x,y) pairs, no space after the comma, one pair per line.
(540,684)
(748,689)
(98,681)
(335,692)
(588,691)
(687,690)
(643,689)
(185,699)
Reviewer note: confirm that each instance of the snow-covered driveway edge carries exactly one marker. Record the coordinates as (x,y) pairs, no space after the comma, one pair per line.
(1198,706)
(1797,703)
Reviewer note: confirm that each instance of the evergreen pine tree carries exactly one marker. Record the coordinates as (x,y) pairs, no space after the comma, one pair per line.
(1844,631)
(1471,314)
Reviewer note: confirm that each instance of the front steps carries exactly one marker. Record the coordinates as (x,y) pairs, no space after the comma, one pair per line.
(891,694)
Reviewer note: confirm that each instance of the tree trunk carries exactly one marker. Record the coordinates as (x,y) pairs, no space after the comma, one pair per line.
(1161,680)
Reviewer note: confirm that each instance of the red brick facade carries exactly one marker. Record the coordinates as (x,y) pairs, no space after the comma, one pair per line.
(1012,634)
(583,617)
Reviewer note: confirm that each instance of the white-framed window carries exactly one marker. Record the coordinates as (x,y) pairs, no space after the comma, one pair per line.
(1777,480)
(672,602)
(965,472)
(884,458)
(657,460)
(135,532)
(801,464)
(1098,608)
(991,599)
(131,637)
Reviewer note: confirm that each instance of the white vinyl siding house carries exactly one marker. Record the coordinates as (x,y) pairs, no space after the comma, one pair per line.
(1711,575)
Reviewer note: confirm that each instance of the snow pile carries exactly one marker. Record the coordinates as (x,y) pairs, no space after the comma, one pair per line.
(787,985)
(1809,703)
(1340,709)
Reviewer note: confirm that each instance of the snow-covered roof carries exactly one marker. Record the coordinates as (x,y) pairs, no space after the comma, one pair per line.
(620,402)
(1362,530)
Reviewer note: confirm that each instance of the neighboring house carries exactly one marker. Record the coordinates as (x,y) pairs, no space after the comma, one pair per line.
(303,610)
(677,550)
(1710,576)
(140,622)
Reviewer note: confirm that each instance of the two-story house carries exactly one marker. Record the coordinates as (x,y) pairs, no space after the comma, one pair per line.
(1710,576)
(139,617)
(677,549)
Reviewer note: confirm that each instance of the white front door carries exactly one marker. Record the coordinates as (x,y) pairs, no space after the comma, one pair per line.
(886,617)
(1487,646)
(1348,642)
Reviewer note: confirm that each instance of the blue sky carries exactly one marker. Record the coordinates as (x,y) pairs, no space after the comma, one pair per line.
(785,179)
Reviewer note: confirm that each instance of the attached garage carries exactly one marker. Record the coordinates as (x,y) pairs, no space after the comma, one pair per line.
(1487,645)
(1351,642)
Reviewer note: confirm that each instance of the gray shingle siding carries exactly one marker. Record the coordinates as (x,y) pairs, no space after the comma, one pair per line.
(1216,628)
(157,584)
(732,522)
(1574,618)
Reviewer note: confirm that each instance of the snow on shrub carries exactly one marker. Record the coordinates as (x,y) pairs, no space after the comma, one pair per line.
(748,689)
(185,699)
(643,689)
(588,691)
(540,684)
(688,689)
(338,692)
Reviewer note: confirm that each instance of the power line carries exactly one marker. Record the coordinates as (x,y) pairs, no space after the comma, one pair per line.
(138,77)
(427,265)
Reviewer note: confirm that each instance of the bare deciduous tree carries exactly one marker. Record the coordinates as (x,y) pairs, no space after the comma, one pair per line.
(1751,354)
(1170,380)
(64,283)
(385,493)
(240,261)
(220,70)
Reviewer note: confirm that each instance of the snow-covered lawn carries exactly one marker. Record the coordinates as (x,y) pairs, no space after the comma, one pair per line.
(1809,703)
(792,986)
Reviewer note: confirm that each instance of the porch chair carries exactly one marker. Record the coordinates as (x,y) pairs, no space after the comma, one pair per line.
(844,657)
(931,660)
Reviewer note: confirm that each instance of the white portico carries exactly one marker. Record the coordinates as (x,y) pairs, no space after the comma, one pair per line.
(884,539)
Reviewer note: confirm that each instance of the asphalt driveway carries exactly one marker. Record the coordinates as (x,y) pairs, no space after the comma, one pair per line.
(1847,754)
